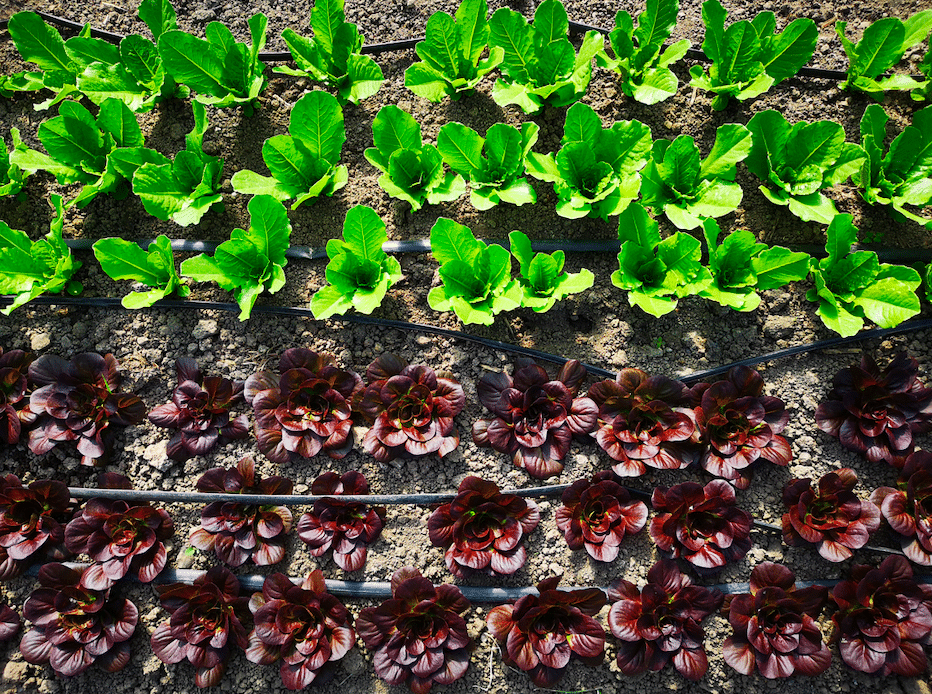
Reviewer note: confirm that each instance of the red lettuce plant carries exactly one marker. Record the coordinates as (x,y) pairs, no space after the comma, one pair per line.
(200,412)
(75,626)
(303,409)
(303,627)
(740,426)
(483,529)
(346,527)
(32,522)
(833,518)
(535,418)
(411,409)
(79,401)
(700,524)
(908,509)
(598,514)
(418,636)
(10,622)
(662,622)
(236,532)
(775,628)
(206,619)
(883,619)
(645,421)
(14,405)
(541,633)
(877,413)
(120,537)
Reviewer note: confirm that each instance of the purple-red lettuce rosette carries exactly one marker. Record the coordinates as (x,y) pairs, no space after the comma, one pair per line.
(598,514)
(199,412)
(662,622)
(346,527)
(32,523)
(883,621)
(535,417)
(120,537)
(908,508)
(15,412)
(75,626)
(411,409)
(775,627)
(305,408)
(645,421)
(237,532)
(700,524)
(482,529)
(207,620)
(878,413)
(740,426)
(540,634)
(80,401)
(303,628)
(831,517)
(418,636)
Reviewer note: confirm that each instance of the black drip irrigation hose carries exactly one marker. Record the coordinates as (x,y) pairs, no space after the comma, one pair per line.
(885,255)
(383,589)
(298,312)
(409,43)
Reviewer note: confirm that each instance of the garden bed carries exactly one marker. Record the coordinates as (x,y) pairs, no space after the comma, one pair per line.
(597,327)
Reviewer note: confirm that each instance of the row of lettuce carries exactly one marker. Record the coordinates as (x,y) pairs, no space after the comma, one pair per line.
(881,615)
(539,64)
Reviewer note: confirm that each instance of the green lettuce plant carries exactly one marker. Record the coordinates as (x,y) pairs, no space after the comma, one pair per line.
(476,277)
(450,55)
(304,164)
(902,176)
(131,72)
(359,272)
(640,59)
(539,64)
(797,162)
(656,273)
(78,147)
(126,260)
(493,165)
(223,72)
(30,268)
(543,281)
(688,190)
(411,170)
(252,261)
(852,286)
(881,47)
(741,267)
(748,58)
(332,56)
(596,171)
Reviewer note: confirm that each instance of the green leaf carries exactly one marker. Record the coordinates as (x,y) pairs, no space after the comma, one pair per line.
(521,250)
(364,78)
(326,18)
(778,266)
(125,260)
(510,31)
(452,241)
(790,49)
(141,58)
(655,24)
(317,120)
(159,16)
(732,144)
(393,130)
(635,225)
(713,16)
(582,124)
(461,148)
(550,23)
(814,144)
(118,120)
(427,82)
(364,233)
(441,48)
(471,18)
(888,301)
(194,62)
(328,301)
(39,43)
(739,60)
(880,48)
(269,228)
(917,28)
